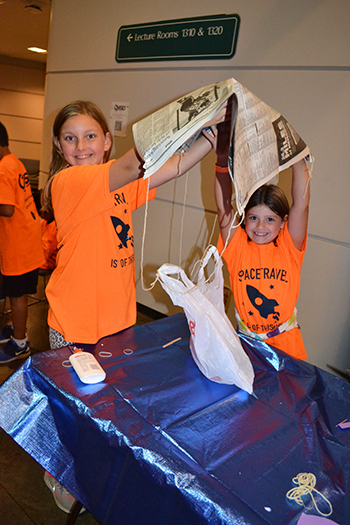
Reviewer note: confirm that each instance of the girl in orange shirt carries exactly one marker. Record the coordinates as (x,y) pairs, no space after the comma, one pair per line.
(92,291)
(264,255)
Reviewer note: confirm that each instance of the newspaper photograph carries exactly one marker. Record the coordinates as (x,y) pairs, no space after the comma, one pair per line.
(263,143)
(173,128)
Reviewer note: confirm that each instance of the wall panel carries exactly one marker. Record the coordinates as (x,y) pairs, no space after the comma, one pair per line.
(22,90)
(20,104)
(272,33)
(22,76)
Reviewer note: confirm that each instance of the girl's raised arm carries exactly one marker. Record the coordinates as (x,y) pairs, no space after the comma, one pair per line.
(223,197)
(178,165)
(124,170)
(223,183)
(299,211)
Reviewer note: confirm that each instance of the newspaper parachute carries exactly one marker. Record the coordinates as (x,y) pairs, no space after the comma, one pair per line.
(263,142)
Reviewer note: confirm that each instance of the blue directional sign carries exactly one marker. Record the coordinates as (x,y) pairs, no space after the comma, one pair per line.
(205,38)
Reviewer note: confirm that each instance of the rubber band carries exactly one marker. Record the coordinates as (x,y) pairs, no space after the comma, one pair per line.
(66,364)
(128,351)
(105,354)
(221,169)
(307,482)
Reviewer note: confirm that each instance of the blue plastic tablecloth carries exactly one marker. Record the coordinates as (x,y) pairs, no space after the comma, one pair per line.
(157,443)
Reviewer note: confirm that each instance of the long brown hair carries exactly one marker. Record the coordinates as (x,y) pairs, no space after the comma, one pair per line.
(58,162)
(271,196)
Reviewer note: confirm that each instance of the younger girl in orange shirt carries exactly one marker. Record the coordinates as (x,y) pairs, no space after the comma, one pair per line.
(264,256)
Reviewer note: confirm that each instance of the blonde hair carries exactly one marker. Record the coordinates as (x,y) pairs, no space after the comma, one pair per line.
(58,162)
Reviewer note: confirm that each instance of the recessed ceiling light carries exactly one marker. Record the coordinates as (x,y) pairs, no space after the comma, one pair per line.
(33,8)
(37,50)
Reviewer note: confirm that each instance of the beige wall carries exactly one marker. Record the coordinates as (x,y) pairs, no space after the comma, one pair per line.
(295,57)
(22,90)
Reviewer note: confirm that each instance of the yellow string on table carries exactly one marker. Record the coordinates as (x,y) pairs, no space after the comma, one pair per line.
(307,482)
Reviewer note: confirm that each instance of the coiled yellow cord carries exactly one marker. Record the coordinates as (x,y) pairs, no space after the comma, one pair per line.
(307,482)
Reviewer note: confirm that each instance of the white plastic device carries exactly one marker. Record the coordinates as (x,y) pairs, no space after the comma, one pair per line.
(87,367)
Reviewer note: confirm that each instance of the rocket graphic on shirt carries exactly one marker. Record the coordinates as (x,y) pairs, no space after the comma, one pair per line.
(122,230)
(264,305)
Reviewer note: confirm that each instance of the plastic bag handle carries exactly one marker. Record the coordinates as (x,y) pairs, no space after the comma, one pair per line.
(166,270)
(212,251)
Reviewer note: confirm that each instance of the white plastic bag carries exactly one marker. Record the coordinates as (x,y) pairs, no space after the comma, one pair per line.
(214,344)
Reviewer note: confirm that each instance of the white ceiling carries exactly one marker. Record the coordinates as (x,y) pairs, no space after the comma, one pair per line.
(23,24)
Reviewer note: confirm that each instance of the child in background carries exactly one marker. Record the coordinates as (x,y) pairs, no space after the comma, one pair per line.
(49,239)
(21,252)
(265,254)
(92,291)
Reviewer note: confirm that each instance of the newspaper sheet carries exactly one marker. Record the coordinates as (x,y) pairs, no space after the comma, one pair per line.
(263,142)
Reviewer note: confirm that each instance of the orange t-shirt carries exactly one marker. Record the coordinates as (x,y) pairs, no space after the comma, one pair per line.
(92,291)
(20,235)
(265,281)
(49,240)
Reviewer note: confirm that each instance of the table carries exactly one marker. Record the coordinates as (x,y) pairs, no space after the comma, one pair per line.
(157,443)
